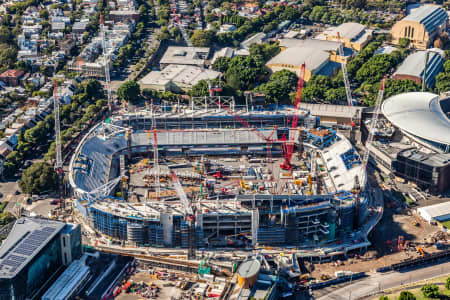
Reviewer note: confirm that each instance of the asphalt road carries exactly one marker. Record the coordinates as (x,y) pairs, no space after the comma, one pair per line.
(378,282)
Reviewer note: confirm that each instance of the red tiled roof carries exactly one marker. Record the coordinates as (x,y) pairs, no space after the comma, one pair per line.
(12,73)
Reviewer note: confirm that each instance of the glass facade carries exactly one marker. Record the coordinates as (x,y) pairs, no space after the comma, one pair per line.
(35,274)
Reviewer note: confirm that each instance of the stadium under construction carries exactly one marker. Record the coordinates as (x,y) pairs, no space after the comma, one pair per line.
(211,175)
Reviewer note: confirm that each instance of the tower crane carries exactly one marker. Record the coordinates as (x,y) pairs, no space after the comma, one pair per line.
(372,126)
(59,162)
(183,32)
(348,91)
(188,213)
(155,154)
(289,146)
(106,63)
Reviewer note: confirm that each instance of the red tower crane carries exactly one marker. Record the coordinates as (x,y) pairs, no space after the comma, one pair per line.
(289,146)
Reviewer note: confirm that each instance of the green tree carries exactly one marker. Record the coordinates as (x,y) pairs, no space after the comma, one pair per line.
(93,89)
(38,178)
(403,42)
(265,50)
(222,64)
(36,134)
(43,14)
(406,295)
(279,87)
(394,87)
(202,38)
(447,283)
(430,291)
(383,297)
(316,87)
(129,91)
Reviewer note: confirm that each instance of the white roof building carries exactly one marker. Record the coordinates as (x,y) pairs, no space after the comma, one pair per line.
(438,212)
(421,116)
(176,78)
(185,56)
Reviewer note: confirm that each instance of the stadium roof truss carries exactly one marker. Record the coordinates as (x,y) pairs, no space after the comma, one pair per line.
(107,130)
(102,191)
(212,102)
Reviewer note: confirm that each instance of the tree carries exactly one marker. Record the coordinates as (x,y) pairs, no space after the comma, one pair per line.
(43,14)
(430,291)
(265,50)
(405,295)
(93,89)
(443,82)
(383,297)
(129,91)
(202,38)
(279,87)
(222,63)
(403,42)
(447,283)
(394,87)
(38,178)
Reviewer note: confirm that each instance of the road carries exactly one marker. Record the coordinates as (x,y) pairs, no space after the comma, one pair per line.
(378,282)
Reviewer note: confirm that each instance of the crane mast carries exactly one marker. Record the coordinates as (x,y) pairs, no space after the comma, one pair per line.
(348,91)
(372,126)
(155,155)
(289,145)
(106,62)
(59,162)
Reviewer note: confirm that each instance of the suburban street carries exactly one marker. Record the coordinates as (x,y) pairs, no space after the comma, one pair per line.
(378,282)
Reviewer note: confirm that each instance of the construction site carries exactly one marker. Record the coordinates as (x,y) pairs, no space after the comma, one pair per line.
(212,175)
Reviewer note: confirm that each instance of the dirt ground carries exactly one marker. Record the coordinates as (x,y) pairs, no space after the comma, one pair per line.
(384,241)
(165,292)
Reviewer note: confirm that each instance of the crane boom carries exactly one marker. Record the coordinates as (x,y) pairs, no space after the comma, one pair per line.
(180,191)
(246,124)
(183,31)
(289,145)
(105,62)
(59,162)
(348,91)
(373,123)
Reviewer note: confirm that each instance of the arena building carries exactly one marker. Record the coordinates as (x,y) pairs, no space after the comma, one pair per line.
(230,173)
(423,117)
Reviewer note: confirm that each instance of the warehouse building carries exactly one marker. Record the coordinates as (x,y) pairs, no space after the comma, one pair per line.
(320,57)
(33,254)
(194,56)
(176,78)
(413,67)
(421,26)
(354,35)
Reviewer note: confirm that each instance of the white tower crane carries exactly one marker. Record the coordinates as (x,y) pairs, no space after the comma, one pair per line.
(348,91)
(106,62)
(372,126)
(59,162)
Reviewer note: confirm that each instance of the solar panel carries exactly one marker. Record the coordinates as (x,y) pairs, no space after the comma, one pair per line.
(48,229)
(23,251)
(16,258)
(33,243)
(11,263)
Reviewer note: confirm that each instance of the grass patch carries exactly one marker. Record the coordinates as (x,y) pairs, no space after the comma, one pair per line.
(409,201)
(446,224)
(3,205)
(394,293)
